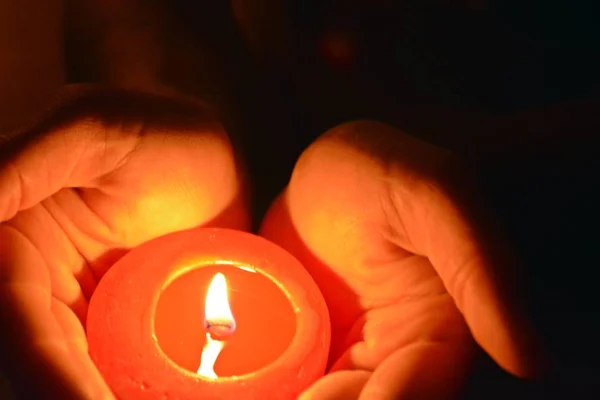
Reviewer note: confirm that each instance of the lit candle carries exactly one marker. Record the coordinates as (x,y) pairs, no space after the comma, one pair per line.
(208,314)
(219,322)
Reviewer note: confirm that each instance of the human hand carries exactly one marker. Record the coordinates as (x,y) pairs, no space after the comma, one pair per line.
(410,263)
(103,172)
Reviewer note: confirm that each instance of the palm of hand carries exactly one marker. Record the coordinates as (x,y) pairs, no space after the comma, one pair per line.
(367,213)
(390,315)
(382,238)
(100,189)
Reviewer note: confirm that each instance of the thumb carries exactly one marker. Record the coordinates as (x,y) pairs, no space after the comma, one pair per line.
(87,133)
(436,212)
(452,226)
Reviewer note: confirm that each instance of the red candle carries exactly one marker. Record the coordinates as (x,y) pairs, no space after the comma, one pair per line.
(208,314)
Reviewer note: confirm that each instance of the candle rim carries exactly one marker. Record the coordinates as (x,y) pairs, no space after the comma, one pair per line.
(162,257)
(208,262)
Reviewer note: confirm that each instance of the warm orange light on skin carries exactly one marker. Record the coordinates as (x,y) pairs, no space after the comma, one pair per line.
(219,322)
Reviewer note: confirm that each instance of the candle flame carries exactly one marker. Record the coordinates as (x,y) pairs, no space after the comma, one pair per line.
(219,323)
(218,318)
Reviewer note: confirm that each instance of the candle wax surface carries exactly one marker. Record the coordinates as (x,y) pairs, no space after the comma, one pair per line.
(265,320)
(145,321)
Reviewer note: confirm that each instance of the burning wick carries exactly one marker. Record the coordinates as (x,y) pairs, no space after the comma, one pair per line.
(219,324)
(209,356)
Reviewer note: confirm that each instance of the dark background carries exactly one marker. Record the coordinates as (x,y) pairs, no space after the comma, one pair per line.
(500,57)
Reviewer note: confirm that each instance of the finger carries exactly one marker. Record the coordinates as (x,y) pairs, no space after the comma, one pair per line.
(383,331)
(368,177)
(279,227)
(32,341)
(480,270)
(71,281)
(340,385)
(434,210)
(410,346)
(70,146)
(422,370)
(92,132)
(75,338)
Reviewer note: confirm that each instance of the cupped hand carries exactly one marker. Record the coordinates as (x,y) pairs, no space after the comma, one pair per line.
(410,263)
(102,172)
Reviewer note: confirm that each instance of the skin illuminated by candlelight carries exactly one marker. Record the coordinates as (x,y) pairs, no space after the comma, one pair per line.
(122,192)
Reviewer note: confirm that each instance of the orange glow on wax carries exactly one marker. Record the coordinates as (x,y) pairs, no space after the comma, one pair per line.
(146,324)
(263,327)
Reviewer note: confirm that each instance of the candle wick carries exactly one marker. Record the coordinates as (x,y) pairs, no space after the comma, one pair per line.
(220,329)
(209,356)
